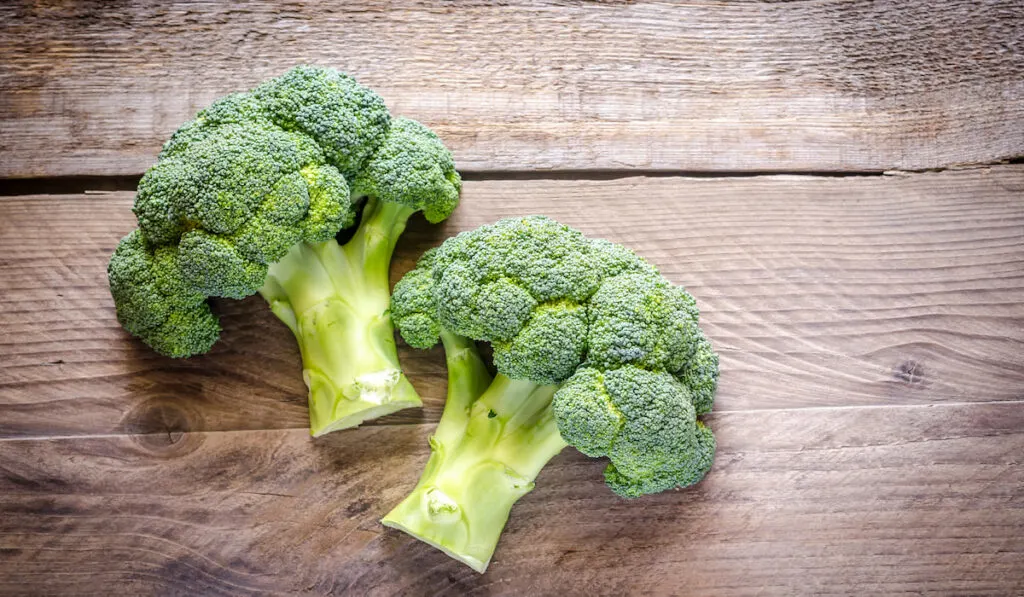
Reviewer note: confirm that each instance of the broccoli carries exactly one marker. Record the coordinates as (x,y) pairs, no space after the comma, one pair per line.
(593,348)
(250,196)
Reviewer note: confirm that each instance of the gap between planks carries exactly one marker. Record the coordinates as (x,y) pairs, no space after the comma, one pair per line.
(67,185)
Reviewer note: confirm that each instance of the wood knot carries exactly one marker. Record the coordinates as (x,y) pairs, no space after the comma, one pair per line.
(163,425)
(358,507)
(909,372)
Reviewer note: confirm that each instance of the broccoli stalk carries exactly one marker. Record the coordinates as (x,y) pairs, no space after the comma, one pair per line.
(593,349)
(335,299)
(493,440)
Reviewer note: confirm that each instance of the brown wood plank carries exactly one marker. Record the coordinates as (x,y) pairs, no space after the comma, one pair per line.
(816,292)
(880,500)
(94,88)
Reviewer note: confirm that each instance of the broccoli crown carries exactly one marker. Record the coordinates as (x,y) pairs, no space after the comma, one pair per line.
(258,172)
(559,308)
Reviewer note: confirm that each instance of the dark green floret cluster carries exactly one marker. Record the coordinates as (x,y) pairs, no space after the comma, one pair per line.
(249,197)
(593,348)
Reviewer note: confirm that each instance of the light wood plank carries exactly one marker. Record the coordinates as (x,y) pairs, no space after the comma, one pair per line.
(881,500)
(94,88)
(815,291)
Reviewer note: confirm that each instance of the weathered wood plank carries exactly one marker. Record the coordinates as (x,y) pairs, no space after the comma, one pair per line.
(94,88)
(816,292)
(880,500)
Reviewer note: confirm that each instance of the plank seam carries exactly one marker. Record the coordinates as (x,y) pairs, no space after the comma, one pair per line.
(65,185)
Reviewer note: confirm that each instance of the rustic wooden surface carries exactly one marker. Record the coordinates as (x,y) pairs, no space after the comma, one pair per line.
(870,320)
(95,87)
(817,292)
(881,501)
(902,295)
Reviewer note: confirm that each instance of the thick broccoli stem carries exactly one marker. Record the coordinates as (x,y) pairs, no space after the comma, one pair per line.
(335,299)
(485,455)
(468,378)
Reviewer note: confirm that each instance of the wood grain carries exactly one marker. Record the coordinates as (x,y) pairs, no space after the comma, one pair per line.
(810,502)
(815,291)
(94,88)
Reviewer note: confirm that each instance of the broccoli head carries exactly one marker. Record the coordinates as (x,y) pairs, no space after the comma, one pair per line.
(249,196)
(593,348)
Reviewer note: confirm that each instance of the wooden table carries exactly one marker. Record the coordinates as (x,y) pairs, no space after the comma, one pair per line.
(837,182)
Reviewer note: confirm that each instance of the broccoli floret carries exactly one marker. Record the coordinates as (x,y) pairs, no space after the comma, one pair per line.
(249,197)
(413,168)
(643,320)
(593,348)
(154,302)
(643,421)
